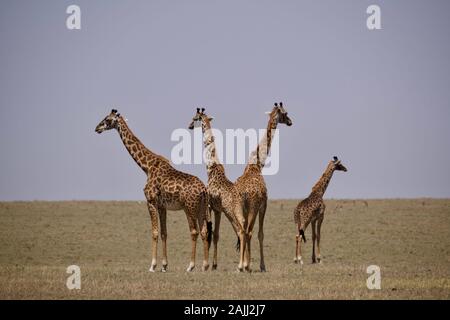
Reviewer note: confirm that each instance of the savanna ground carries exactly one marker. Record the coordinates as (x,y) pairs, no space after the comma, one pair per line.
(110,241)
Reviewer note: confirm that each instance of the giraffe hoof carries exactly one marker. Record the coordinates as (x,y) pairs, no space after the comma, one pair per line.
(190,268)
(262,269)
(319,260)
(205,267)
(152,268)
(164,268)
(240,269)
(214,267)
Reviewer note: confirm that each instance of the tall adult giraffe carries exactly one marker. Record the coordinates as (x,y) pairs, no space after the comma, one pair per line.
(223,195)
(166,189)
(252,186)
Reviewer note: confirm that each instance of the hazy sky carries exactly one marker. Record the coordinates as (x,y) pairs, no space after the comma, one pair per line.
(380,100)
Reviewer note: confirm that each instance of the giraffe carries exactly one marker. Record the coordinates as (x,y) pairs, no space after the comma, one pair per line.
(252,186)
(166,189)
(223,195)
(312,210)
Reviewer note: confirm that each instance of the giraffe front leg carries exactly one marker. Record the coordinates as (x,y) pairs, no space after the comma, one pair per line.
(313,226)
(162,221)
(298,248)
(154,218)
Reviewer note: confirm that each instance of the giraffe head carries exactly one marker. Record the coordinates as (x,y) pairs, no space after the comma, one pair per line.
(200,119)
(280,115)
(338,166)
(110,122)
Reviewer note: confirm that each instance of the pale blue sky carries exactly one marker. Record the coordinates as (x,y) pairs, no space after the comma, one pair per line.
(379,100)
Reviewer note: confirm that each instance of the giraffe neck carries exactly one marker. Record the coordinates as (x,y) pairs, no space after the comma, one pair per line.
(211,158)
(259,156)
(141,155)
(321,186)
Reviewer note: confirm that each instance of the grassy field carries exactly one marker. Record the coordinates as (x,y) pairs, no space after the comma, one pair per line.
(110,241)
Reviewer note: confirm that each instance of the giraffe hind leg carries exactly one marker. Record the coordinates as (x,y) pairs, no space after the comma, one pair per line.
(206,230)
(262,214)
(313,227)
(204,236)
(193,227)
(251,219)
(319,226)
(298,250)
(243,240)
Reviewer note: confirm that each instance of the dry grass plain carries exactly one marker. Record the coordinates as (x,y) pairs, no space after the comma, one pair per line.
(110,241)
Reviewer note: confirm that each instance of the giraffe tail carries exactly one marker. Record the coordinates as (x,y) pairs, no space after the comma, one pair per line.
(207,214)
(302,233)
(210,233)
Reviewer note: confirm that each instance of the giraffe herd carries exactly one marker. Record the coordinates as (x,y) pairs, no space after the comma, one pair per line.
(242,202)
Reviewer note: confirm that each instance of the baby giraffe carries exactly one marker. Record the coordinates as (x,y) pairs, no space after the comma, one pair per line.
(312,210)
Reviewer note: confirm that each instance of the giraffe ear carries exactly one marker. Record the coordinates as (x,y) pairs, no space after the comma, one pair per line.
(118,114)
(211,118)
(268,112)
